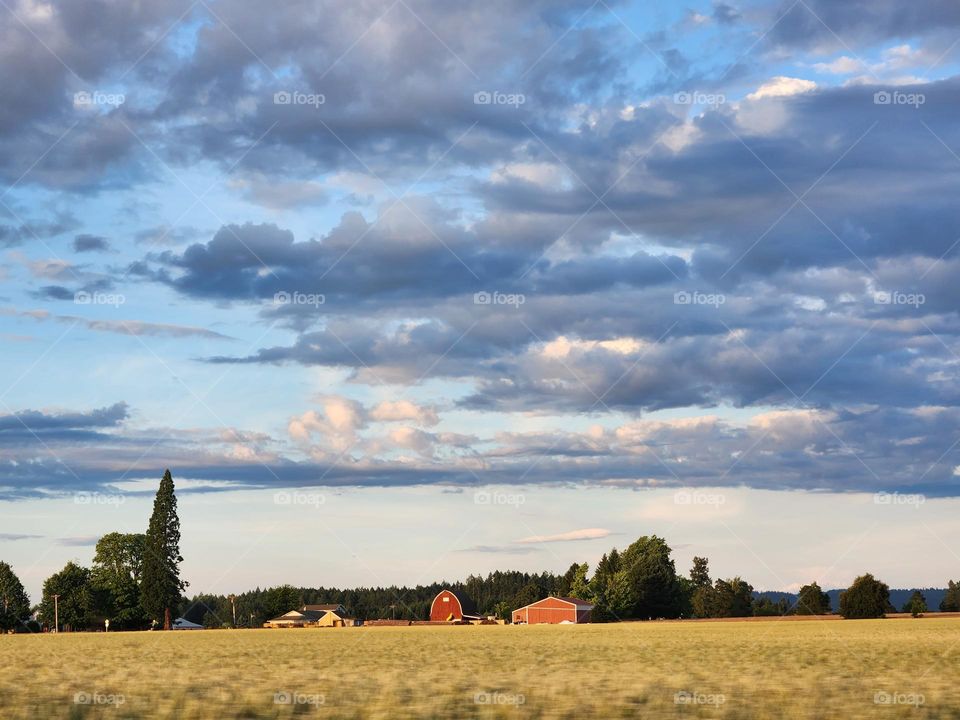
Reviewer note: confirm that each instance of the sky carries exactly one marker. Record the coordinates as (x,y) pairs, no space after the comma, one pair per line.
(404,291)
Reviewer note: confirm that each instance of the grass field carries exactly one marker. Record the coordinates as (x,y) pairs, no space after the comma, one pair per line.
(849,669)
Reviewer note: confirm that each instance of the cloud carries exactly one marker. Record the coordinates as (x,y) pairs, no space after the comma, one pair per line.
(12,537)
(498,550)
(404,410)
(698,282)
(90,243)
(79,541)
(121,327)
(825,25)
(585,534)
(39,421)
(782,87)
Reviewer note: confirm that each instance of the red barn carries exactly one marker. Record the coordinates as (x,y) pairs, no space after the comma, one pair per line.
(554,610)
(452,606)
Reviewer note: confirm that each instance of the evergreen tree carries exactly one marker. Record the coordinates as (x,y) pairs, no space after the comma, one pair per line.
(916,605)
(161,587)
(528,594)
(700,573)
(579,587)
(764,606)
(701,596)
(601,586)
(951,601)
(14,603)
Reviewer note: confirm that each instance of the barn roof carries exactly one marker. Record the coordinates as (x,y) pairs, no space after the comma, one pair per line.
(323,608)
(572,600)
(467,606)
(305,615)
(576,601)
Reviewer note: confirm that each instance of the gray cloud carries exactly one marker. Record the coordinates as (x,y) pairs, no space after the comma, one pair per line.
(90,243)
(120,327)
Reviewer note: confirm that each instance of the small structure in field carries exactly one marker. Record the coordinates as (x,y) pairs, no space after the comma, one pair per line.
(454,607)
(554,610)
(337,618)
(184,624)
(314,616)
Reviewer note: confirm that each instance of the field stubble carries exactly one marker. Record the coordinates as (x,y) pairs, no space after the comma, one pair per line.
(852,669)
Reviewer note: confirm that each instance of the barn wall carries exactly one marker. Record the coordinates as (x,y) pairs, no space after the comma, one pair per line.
(551,610)
(441,610)
(540,614)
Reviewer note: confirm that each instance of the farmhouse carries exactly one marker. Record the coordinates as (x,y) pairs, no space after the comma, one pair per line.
(313,616)
(554,611)
(452,606)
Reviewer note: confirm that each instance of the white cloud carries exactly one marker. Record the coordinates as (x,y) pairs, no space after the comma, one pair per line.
(404,411)
(585,534)
(782,86)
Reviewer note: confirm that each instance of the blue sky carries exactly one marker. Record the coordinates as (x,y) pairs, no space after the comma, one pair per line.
(629,267)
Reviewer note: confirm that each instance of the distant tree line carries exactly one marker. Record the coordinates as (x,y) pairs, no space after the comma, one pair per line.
(640,582)
(134,582)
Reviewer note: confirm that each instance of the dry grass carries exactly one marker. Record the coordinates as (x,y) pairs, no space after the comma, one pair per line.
(758,669)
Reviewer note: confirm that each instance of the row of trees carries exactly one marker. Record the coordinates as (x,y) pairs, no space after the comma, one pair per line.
(134,581)
(640,582)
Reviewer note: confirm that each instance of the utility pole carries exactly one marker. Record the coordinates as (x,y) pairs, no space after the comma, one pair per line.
(233,604)
(56,613)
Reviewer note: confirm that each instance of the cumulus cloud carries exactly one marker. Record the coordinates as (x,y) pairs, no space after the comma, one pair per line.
(771,271)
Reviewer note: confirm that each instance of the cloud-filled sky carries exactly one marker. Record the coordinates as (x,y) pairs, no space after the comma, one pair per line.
(464,286)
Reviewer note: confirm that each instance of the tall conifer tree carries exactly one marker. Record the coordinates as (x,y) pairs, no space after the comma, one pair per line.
(161,586)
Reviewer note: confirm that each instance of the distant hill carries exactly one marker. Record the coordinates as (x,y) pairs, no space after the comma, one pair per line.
(898,596)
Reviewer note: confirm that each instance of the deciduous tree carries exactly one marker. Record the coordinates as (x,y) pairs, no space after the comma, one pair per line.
(14,603)
(812,601)
(74,606)
(867,597)
(117,567)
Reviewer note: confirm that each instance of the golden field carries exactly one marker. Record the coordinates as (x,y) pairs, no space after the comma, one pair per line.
(843,669)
